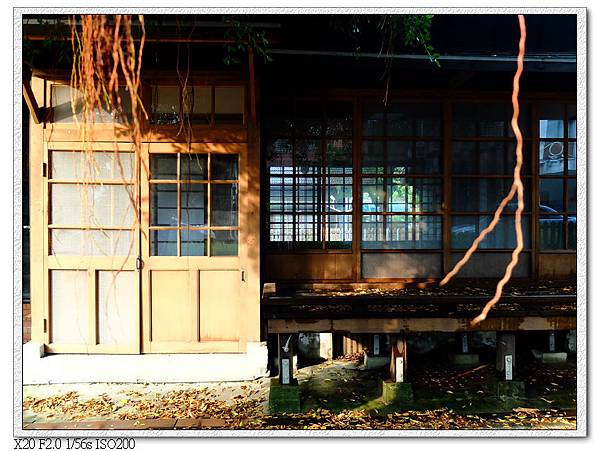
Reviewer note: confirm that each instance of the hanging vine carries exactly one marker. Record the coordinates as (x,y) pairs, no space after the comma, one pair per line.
(106,67)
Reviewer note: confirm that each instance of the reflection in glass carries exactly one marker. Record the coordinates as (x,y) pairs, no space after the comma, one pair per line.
(224,243)
(551,230)
(164,242)
(224,167)
(465,229)
(224,208)
(401,232)
(572,198)
(552,121)
(338,231)
(194,166)
(194,242)
(552,157)
(163,204)
(484,195)
(551,195)
(163,167)
(194,200)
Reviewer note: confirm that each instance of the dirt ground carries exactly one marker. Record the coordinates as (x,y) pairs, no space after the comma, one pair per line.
(339,394)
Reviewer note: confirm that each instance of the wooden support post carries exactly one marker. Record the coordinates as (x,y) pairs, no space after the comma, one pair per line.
(505,345)
(286,358)
(398,360)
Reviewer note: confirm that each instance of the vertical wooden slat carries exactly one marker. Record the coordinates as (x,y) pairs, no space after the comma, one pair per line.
(535,194)
(92,308)
(38,288)
(356,187)
(447,185)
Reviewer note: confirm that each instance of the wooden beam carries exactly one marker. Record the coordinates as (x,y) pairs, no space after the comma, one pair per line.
(34,109)
(442,324)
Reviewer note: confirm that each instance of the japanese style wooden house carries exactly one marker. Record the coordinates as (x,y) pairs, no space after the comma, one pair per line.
(287,185)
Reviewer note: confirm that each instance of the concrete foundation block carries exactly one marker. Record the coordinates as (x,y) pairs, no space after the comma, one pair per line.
(396,392)
(375,361)
(464,359)
(33,350)
(511,389)
(284,398)
(554,357)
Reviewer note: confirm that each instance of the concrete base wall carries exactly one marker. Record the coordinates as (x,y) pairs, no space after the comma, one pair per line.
(74,368)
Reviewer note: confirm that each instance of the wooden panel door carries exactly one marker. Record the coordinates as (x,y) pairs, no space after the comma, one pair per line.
(91,242)
(192,276)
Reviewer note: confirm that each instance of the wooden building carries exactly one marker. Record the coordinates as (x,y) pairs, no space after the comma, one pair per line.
(294,172)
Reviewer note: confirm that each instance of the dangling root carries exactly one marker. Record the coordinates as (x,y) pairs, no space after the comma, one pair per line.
(517,187)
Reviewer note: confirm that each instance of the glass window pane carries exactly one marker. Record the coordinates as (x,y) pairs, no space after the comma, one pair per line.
(117,299)
(552,232)
(464,119)
(552,121)
(551,195)
(308,155)
(484,195)
(197,104)
(280,194)
(572,232)
(401,232)
(308,230)
(309,119)
(499,158)
(338,119)
(572,189)
(92,242)
(338,231)
(372,232)
(224,242)
(281,227)
(552,158)
(373,194)
(493,119)
(164,242)
(163,167)
(93,205)
(229,105)
(224,208)
(572,159)
(62,110)
(163,204)
(165,105)
(400,120)
(414,195)
(194,166)
(466,228)
(339,194)
(69,306)
(194,242)
(91,166)
(572,120)
(309,194)
(279,156)
(373,157)
(194,202)
(413,158)
(339,156)
(464,158)
(224,167)
(373,120)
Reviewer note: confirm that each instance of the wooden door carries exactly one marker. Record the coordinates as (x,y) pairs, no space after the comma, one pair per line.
(192,272)
(91,242)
